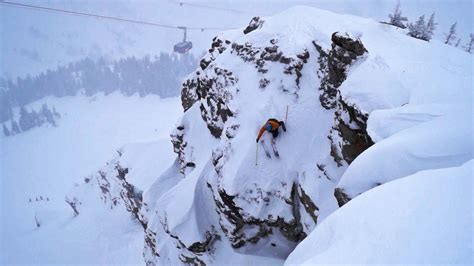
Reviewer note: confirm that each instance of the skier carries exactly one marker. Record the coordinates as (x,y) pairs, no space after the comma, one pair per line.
(272,125)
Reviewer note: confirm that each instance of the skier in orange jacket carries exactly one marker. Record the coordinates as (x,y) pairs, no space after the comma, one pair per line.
(272,125)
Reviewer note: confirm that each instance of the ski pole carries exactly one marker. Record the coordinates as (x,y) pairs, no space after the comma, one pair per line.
(256,155)
(286,115)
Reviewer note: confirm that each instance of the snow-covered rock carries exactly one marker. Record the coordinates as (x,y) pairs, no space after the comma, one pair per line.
(425,218)
(301,58)
(362,111)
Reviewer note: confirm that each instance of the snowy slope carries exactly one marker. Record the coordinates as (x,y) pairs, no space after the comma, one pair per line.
(362,111)
(425,218)
(332,84)
(419,119)
(46,162)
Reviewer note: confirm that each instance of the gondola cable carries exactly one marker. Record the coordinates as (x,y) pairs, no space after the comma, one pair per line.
(58,10)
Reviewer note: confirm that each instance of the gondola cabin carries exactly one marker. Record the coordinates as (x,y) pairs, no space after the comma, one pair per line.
(183,47)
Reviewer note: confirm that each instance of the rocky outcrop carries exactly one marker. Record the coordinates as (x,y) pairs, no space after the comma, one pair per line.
(261,56)
(190,87)
(334,64)
(242,228)
(341,196)
(353,129)
(179,147)
(209,88)
(213,89)
(254,24)
(349,136)
(117,192)
(277,210)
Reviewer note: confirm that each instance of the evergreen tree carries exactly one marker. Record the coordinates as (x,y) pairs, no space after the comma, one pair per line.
(6,132)
(15,129)
(451,36)
(35,119)
(160,75)
(47,115)
(458,42)
(418,30)
(5,106)
(430,27)
(27,120)
(468,48)
(396,19)
(24,119)
(56,114)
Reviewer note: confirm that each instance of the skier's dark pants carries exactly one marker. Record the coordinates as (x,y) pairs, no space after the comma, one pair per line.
(274,133)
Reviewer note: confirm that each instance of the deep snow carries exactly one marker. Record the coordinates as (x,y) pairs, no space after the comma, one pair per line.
(422,218)
(418,98)
(399,79)
(45,162)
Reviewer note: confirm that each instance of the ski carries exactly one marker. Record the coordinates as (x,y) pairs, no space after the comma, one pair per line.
(267,152)
(275,151)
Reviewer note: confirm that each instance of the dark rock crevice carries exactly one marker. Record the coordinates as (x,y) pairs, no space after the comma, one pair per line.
(348,137)
(308,204)
(254,24)
(341,196)
(262,228)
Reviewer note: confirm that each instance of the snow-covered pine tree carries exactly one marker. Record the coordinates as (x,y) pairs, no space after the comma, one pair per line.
(35,119)
(430,27)
(458,42)
(47,114)
(470,45)
(396,19)
(25,121)
(29,120)
(6,131)
(418,29)
(451,36)
(55,113)
(15,129)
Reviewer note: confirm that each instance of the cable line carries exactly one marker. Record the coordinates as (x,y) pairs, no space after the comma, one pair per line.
(69,12)
(181,3)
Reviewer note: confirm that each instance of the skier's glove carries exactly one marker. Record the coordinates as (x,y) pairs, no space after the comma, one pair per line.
(257,140)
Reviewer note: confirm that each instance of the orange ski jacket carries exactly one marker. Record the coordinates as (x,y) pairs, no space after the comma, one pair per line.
(274,126)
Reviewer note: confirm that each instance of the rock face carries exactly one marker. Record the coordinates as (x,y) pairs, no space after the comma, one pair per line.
(348,136)
(223,199)
(235,206)
(115,190)
(254,24)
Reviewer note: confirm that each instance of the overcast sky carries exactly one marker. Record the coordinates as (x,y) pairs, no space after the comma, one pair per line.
(33,41)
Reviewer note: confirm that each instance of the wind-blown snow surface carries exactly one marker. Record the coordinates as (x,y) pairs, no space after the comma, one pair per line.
(213,204)
(421,114)
(423,218)
(45,162)
(225,199)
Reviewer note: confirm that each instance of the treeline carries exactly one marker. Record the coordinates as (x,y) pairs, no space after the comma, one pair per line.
(160,75)
(31,119)
(424,30)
